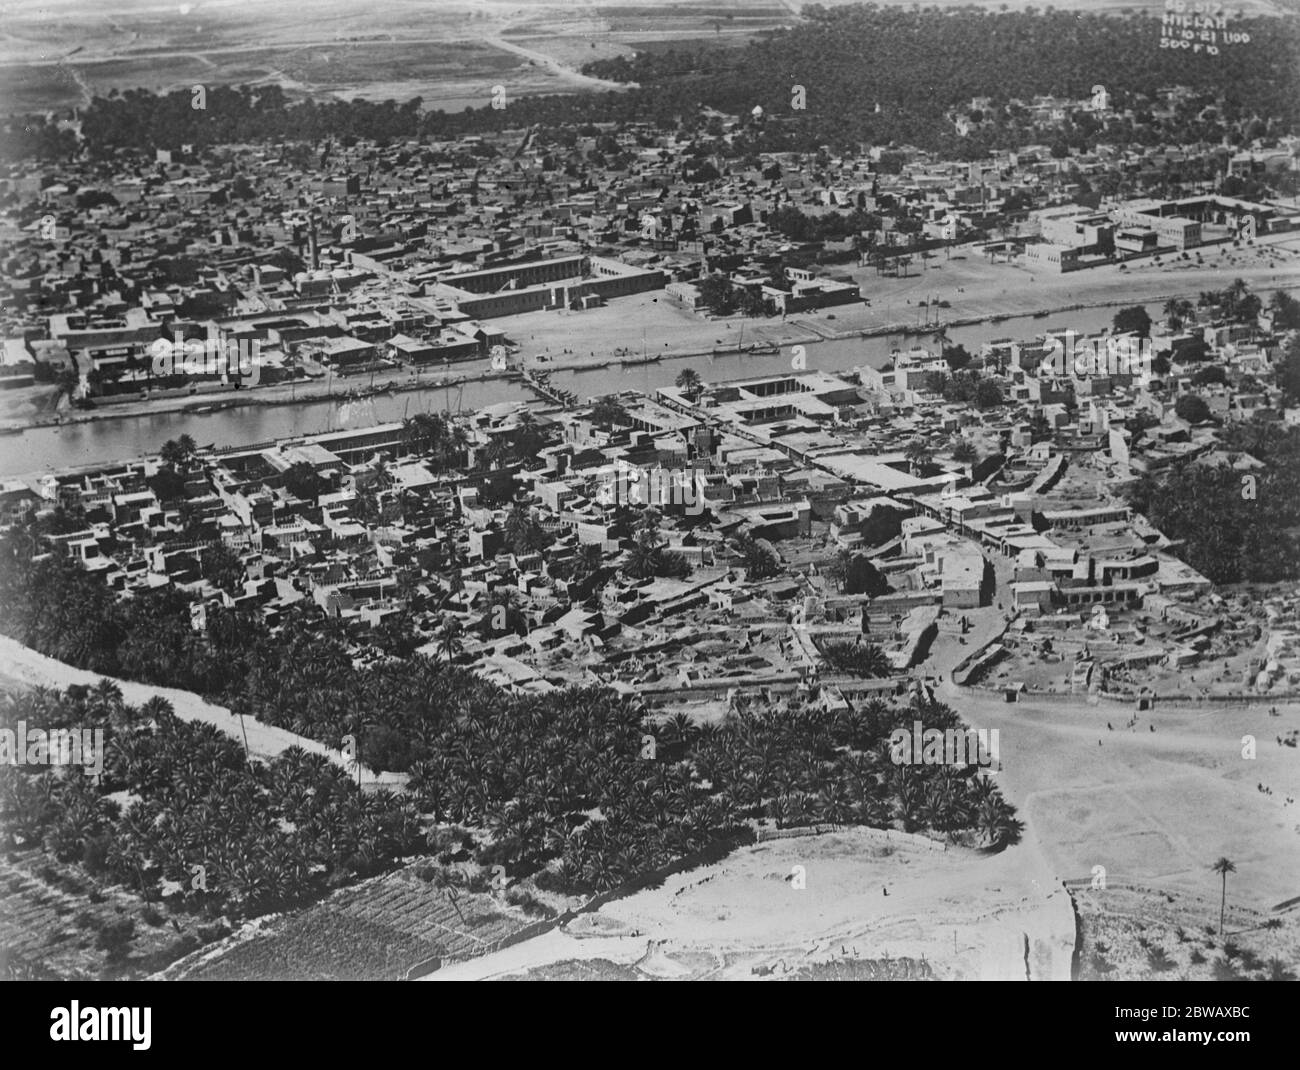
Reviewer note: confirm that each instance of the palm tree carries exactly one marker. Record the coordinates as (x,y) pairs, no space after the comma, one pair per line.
(760,562)
(964,452)
(523,534)
(172,453)
(588,561)
(609,412)
(450,645)
(498,452)
(689,383)
(918,455)
(68,380)
(836,569)
(643,558)
(1223,867)
(858,658)
(997,824)
(1234,295)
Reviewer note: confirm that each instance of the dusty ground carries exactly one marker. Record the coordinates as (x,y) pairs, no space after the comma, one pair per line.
(975,287)
(1139,934)
(968,915)
(1153,807)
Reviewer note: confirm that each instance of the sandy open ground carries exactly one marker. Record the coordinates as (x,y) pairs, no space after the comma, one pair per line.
(1157,807)
(970,915)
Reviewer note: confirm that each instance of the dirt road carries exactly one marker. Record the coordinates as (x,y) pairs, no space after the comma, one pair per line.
(26,666)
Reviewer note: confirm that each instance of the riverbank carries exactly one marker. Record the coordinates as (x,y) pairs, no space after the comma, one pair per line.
(806,330)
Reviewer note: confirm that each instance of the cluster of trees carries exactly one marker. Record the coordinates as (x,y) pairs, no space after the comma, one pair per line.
(440,441)
(1233,526)
(969,388)
(723,298)
(1236,302)
(52,606)
(801,227)
(649,556)
(1132,320)
(807,764)
(954,53)
(1192,408)
(859,659)
(958,54)
(609,413)
(757,556)
(1285,310)
(855,574)
(230,835)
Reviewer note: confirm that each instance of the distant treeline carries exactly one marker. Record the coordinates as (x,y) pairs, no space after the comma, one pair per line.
(869,74)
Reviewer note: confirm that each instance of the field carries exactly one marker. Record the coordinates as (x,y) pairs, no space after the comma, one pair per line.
(51,914)
(374,931)
(60,54)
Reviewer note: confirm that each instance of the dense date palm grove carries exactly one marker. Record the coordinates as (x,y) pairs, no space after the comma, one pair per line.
(228,836)
(576,788)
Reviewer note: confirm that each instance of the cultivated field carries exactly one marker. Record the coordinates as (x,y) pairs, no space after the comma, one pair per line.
(52,915)
(375,931)
(59,54)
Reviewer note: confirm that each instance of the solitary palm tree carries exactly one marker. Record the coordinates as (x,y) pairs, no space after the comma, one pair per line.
(918,455)
(688,381)
(963,451)
(1223,867)
(451,644)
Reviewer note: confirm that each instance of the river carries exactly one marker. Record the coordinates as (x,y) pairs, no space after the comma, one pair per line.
(52,449)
